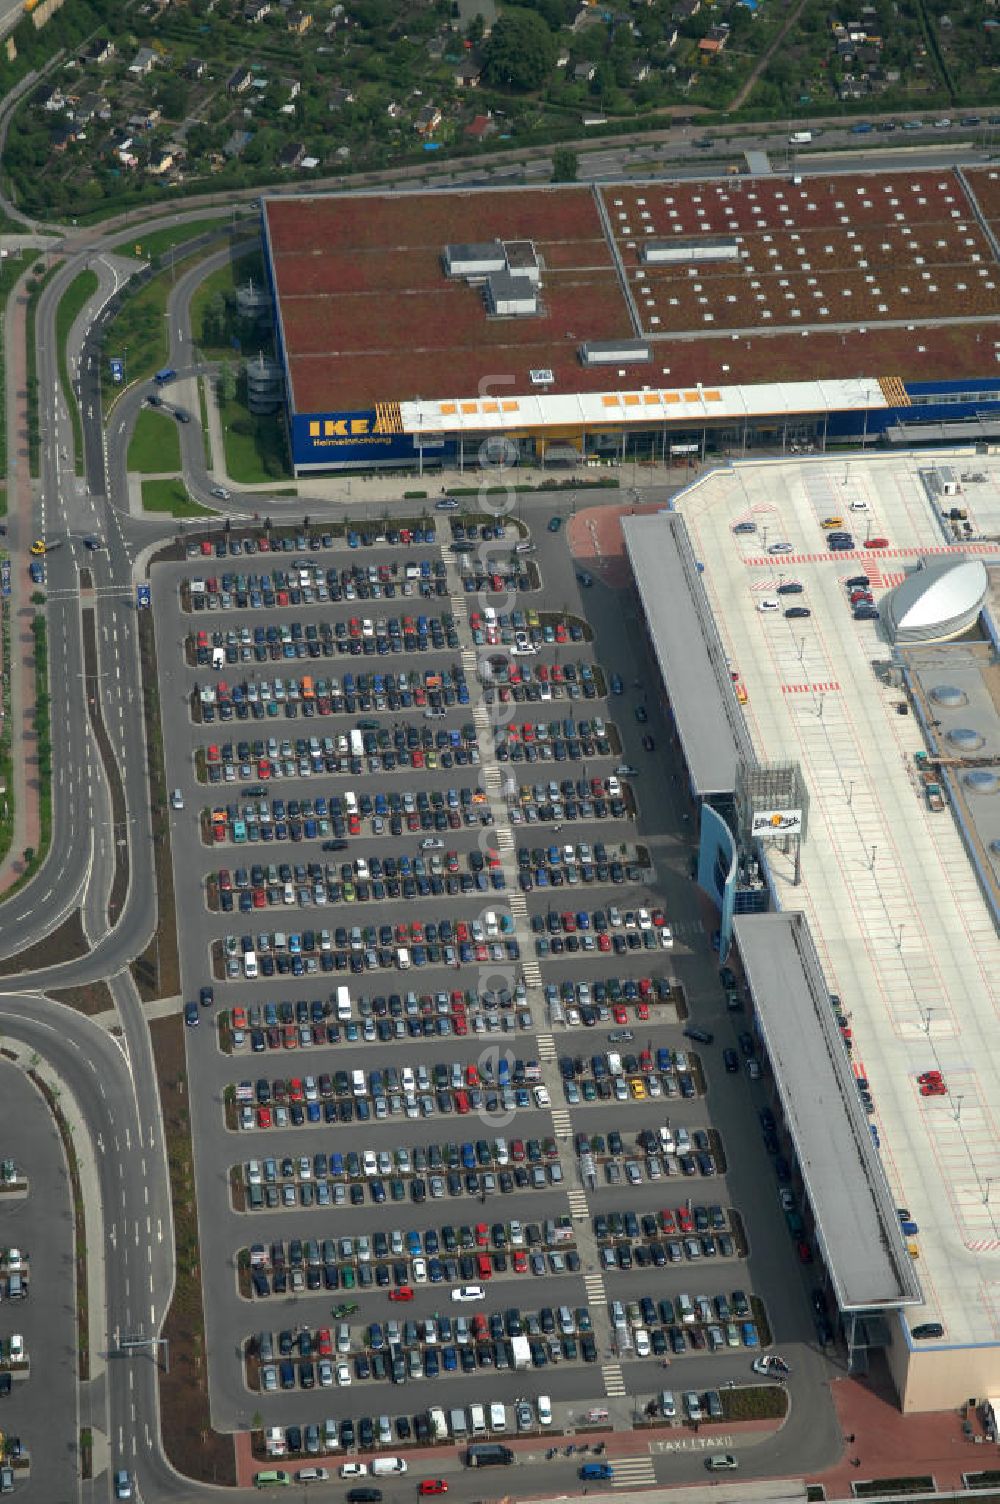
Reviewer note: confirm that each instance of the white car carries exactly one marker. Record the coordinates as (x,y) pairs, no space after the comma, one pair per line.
(643,1346)
(544,1410)
(541,1096)
(768,604)
(420,1271)
(721,1462)
(344,1375)
(787,1199)
(354,1470)
(177,799)
(468,1293)
(779,548)
(432,843)
(220,492)
(667,937)
(645,919)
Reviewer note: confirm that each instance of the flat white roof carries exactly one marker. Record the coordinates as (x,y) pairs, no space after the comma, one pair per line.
(688,650)
(636,408)
(901,927)
(856,1221)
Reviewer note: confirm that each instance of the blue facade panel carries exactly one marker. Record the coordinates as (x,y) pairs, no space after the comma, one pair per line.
(717,870)
(329,439)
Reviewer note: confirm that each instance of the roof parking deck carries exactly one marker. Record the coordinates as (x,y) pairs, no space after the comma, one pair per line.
(901,926)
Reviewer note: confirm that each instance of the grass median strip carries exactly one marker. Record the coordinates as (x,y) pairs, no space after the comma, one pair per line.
(171,496)
(79,1224)
(155,445)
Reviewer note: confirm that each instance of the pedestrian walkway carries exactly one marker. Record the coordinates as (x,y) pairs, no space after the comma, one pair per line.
(546,1047)
(633,1472)
(595,1288)
(577,1201)
(25,793)
(614,1381)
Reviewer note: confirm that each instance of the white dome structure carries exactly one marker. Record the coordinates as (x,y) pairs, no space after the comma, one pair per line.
(940,600)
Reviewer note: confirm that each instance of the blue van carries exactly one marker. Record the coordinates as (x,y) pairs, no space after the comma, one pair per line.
(596,1470)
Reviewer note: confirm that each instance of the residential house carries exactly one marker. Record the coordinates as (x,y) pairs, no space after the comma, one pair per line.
(145,120)
(193,69)
(584,73)
(339,97)
(257,11)
(100,50)
(161,161)
(290,87)
(714,41)
(291,155)
(481,128)
(86,108)
(562,60)
(469,72)
(144,62)
(640,70)
(126,156)
(239,81)
(298,22)
(52,99)
(686,10)
(428,120)
(63,137)
(237,144)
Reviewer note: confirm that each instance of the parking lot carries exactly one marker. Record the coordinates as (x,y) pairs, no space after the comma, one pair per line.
(527,1106)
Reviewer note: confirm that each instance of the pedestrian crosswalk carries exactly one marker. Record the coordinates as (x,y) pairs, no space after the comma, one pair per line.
(614,1384)
(577,1202)
(469,659)
(546,1047)
(560,1120)
(532,974)
(631,1472)
(505,838)
(518,905)
(594,1286)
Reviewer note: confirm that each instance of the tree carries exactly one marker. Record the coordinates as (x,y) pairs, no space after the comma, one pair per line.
(520,52)
(565,164)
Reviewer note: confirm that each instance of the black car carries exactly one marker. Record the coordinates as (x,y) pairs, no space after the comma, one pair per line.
(731,1061)
(364,1496)
(927,1329)
(798,611)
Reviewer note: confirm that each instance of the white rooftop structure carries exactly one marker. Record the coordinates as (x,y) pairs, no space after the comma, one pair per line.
(940,599)
(641,408)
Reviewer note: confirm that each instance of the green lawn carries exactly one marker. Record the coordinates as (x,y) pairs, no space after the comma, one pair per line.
(155,446)
(171,496)
(71,305)
(256,451)
(156,242)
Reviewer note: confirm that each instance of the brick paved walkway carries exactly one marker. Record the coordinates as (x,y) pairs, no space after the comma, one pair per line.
(25,793)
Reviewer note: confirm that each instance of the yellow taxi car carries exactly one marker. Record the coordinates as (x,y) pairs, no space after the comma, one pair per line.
(38,547)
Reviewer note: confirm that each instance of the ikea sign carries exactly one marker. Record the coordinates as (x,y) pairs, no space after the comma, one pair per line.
(322,440)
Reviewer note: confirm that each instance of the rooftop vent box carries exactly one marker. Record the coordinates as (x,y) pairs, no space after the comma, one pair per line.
(541,376)
(615,352)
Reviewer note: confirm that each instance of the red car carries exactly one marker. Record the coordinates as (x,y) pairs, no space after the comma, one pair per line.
(324,1344)
(926,1076)
(933,1089)
(520,1261)
(432,1486)
(876,543)
(642,1011)
(404,1292)
(804,1252)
